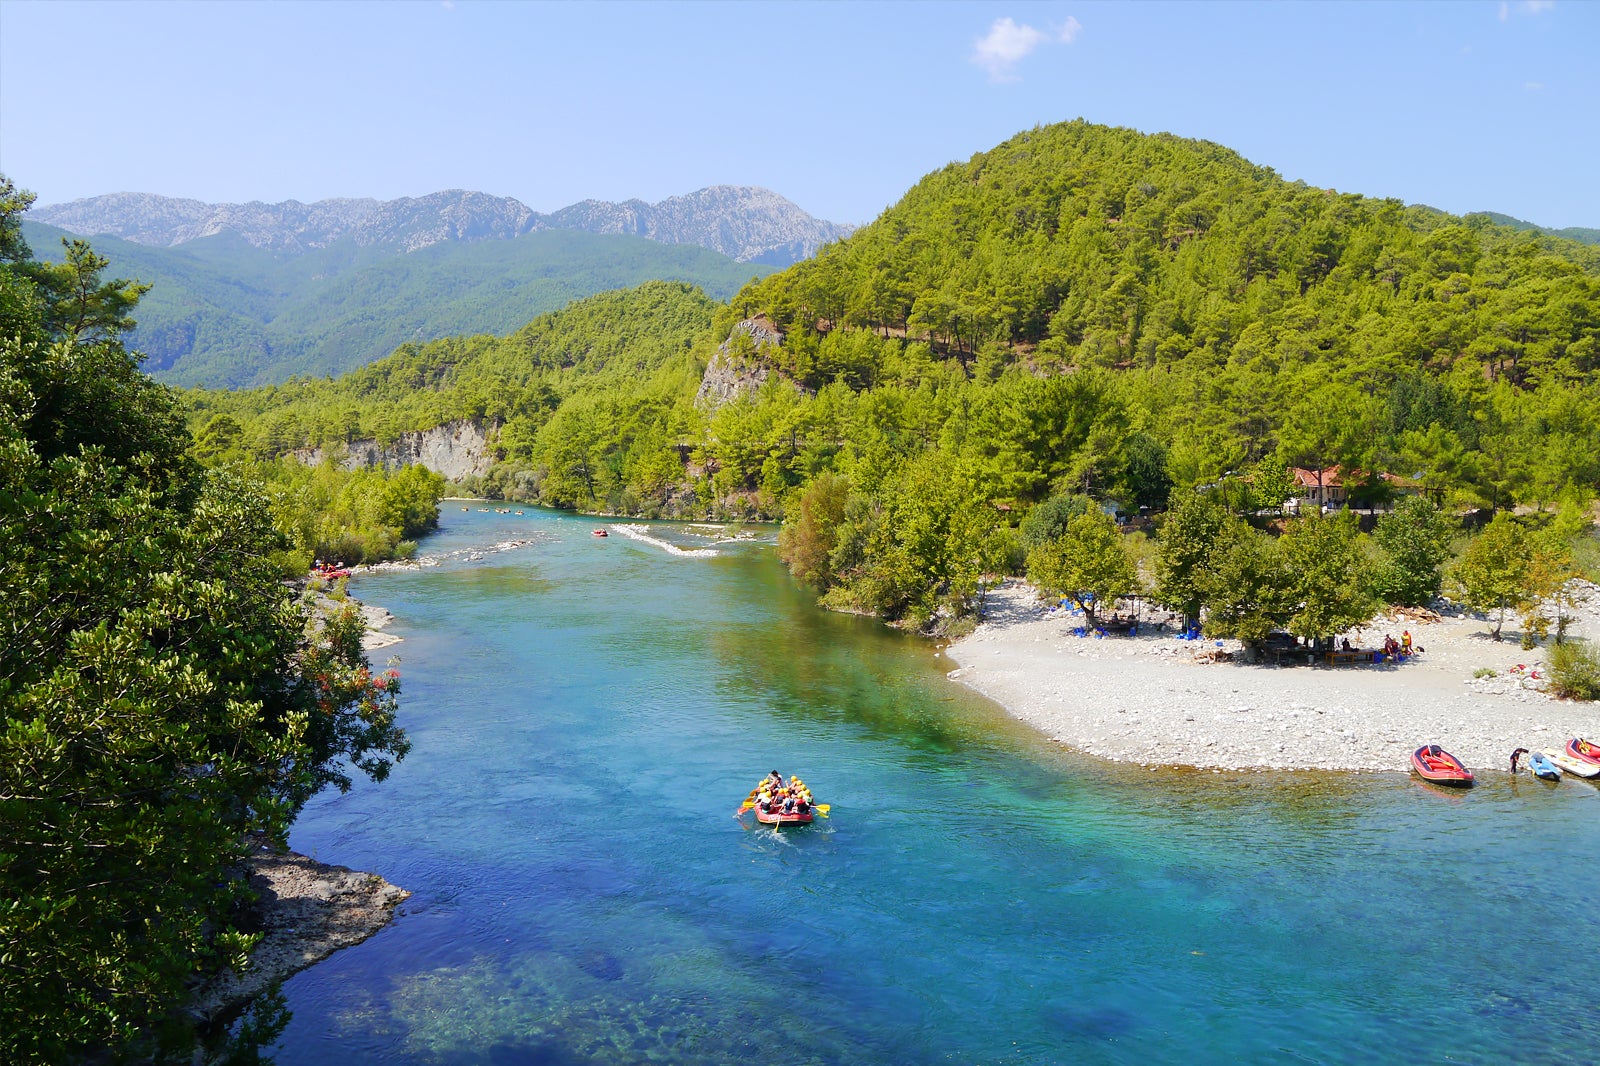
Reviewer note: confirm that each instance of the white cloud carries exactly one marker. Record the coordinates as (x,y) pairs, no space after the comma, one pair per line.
(1525,7)
(1533,86)
(1009,43)
(1006,45)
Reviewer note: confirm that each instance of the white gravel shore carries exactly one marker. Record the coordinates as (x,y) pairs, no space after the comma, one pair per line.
(1148,699)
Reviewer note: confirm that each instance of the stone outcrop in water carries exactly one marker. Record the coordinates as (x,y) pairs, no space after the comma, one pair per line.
(305,910)
(454,450)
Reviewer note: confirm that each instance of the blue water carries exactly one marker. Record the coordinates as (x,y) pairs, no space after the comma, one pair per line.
(587,714)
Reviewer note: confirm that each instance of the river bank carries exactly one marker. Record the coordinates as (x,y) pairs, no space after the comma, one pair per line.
(1157,700)
(305,910)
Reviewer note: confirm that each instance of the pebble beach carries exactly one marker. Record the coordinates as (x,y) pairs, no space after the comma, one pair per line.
(1155,699)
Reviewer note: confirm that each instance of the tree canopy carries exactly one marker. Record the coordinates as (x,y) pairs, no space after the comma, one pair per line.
(161,697)
(1078,311)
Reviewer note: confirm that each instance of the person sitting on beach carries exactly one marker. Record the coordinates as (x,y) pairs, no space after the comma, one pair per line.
(1344,645)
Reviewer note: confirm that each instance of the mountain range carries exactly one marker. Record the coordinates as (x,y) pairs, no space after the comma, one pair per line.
(1582,234)
(744,223)
(251,294)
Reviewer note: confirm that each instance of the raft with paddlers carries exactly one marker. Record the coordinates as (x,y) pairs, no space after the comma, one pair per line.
(778,803)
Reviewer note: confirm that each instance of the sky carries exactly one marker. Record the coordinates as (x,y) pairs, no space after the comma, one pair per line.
(1476,105)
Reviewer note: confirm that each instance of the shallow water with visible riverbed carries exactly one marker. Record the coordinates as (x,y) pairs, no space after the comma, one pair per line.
(587,714)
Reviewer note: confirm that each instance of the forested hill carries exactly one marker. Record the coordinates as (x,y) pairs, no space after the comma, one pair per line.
(223,312)
(1080,311)
(632,346)
(1081,245)
(1583,234)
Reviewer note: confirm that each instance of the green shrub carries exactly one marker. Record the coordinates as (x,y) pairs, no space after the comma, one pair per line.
(1575,671)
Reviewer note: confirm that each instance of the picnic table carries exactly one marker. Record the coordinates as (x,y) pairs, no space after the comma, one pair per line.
(1355,655)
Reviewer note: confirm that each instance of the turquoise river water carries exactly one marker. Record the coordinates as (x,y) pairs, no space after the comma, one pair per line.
(588,713)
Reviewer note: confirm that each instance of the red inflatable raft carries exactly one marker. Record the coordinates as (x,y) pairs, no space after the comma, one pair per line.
(1584,751)
(1433,763)
(778,804)
(778,818)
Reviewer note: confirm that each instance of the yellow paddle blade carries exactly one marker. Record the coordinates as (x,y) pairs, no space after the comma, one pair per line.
(822,808)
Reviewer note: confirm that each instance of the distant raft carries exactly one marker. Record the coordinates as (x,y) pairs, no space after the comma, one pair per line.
(1541,766)
(1583,751)
(1433,763)
(1575,767)
(778,804)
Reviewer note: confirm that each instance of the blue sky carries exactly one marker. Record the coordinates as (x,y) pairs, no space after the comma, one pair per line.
(841,107)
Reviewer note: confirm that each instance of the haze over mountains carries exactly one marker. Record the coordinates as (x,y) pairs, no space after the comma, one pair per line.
(250,294)
(744,223)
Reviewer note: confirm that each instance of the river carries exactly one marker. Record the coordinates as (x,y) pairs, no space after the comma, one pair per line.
(587,714)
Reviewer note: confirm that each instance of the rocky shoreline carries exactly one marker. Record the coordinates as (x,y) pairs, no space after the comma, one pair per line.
(306,911)
(1153,699)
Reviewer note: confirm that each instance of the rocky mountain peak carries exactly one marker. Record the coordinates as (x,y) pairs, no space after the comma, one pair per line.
(747,223)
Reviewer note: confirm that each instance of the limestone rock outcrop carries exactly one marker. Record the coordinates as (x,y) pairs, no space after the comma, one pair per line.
(454,450)
(737,367)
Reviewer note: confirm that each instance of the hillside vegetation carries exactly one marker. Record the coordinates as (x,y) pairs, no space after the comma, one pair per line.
(1081,310)
(222,312)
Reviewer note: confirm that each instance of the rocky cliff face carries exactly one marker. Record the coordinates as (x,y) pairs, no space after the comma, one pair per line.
(749,224)
(746,223)
(454,450)
(737,368)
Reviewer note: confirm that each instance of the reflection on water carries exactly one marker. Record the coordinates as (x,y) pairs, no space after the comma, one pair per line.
(588,714)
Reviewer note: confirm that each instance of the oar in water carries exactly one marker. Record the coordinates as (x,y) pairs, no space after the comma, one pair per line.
(822,808)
